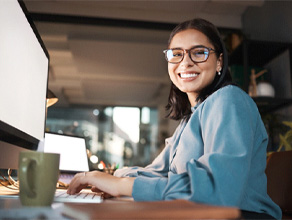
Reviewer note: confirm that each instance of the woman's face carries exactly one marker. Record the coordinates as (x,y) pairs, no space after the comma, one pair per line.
(188,76)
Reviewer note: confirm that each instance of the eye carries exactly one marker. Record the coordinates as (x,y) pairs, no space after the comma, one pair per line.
(177,53)
(199,52)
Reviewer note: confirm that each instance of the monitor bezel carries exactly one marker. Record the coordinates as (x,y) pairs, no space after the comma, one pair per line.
(9,133)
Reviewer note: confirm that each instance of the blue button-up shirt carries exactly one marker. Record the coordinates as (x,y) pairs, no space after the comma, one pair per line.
(216,156)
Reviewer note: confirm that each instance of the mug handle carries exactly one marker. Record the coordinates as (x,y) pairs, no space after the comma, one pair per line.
(26,163)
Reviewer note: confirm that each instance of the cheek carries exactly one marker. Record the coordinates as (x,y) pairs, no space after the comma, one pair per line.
(210,67)
(211,74)
(212,70)
(171,70)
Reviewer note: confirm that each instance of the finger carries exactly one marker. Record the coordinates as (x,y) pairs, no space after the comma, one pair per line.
(77,176)
(77,184)
(95,189)
(105,195)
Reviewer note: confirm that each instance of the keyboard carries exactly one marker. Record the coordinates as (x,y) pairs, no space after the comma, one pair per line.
(85,196)
(66,178)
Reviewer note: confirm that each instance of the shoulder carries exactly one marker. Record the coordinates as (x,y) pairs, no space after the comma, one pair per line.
(229,95)
(229,100)
(229,92)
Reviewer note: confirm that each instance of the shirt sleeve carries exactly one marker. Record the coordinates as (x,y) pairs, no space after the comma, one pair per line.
(219,176)
(160,166)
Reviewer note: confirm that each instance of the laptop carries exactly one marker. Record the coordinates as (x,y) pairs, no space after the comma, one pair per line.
(73,159)
(73,156)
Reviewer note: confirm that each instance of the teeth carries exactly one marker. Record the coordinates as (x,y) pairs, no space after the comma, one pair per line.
(183,75)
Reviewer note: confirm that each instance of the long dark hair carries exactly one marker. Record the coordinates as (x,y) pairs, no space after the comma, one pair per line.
(178,105)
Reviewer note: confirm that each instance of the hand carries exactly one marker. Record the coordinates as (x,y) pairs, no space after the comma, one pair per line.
(104,182)
(105,195)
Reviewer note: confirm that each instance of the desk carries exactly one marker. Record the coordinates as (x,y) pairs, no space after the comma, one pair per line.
(120,208)
(177,209)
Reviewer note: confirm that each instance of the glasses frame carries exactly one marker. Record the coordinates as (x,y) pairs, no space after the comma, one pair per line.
(210,50)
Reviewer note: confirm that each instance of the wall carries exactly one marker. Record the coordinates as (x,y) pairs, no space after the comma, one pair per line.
(271,22)
(9,155)
(281,74)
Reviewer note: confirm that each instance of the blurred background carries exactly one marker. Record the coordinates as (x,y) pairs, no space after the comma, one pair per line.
(110,76)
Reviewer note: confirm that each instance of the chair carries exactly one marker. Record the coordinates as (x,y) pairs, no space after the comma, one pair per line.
(279,177)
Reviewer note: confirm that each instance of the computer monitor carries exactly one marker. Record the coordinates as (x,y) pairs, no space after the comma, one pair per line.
(72,150)
(24,63)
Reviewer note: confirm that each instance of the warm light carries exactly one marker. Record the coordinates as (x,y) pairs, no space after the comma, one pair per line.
(88,152)
(94,159)
(101,165)
(51,98)
(51,101)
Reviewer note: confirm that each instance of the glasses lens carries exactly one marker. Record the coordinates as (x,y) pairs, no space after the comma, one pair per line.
(174,55)
(199,54)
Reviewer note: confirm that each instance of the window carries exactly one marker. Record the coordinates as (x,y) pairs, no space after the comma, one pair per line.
(120,136)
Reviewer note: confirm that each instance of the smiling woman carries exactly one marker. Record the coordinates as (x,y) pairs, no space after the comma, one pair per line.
(207,53)
(191,74)
(217,155)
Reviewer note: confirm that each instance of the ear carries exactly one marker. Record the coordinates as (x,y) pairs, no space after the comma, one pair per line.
(219,63)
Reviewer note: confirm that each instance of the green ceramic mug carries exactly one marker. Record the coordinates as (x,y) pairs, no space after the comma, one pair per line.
(38,174)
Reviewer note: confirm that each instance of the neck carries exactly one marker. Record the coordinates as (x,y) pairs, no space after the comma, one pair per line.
(192,99)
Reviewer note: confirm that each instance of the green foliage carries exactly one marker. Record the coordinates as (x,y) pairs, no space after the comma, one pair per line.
(286,139)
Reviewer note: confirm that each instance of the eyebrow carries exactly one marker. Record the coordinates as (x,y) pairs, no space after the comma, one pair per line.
(190,48)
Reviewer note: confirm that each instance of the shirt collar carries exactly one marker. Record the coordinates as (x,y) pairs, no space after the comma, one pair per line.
(196,106)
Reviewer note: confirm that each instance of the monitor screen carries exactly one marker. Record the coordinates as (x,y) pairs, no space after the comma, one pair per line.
(72,150)
(24,65)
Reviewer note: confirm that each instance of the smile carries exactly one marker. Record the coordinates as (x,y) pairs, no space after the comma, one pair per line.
(189,75)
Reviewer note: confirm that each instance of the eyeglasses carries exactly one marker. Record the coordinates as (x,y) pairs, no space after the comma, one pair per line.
(198,54)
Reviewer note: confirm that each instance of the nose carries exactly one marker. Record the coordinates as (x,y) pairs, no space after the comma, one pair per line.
(186,61)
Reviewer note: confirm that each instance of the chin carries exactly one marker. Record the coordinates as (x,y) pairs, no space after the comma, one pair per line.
(188,90)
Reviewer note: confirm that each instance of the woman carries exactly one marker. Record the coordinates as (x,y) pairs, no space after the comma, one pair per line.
(217,154)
